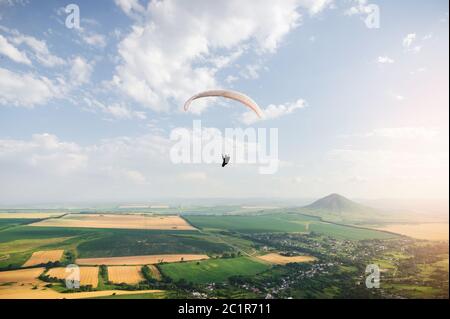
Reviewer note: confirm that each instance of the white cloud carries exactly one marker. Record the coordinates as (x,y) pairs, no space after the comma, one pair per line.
(11,2)
(81,70)
(39,89)
(419,70)
(251,71)
(26,89)
(120,174)
(135,176)
(44,152)
(122,112)
(379,165)
(385,60)
(117,159)
(139,168)
(231,78)
(405,132)
(400,133)
(130,6)
(123,168)
(273,111)
(408,43)
(7,49)
(40,49)
(359,7)
(158,73)
(116,110)
(94,39)
(87,35)
(194,176)
(408,40)
(316,6)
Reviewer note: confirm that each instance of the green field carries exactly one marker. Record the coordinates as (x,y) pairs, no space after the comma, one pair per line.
(213,270)
(18,243)
(282,222)
(251,224)
(348,232)
(96,242)
(11,222)
(412,291)
(31,232)
(118,243)
(427,271)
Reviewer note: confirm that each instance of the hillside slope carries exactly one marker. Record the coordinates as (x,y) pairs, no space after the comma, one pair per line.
(338,209)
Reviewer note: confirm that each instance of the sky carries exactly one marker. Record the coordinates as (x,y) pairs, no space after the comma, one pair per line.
(86,113)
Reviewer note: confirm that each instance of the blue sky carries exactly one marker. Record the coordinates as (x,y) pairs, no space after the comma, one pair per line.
(89,111)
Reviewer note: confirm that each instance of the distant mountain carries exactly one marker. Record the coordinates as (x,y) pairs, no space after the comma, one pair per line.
(338,204)
(337,208)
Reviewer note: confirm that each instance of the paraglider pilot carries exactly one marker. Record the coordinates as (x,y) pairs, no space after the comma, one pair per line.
(226,159)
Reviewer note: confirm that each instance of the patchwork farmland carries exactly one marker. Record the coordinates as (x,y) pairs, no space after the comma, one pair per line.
(21,276)
(15,253)
(213,270)
(88,275)
(143,255)
(125,274)
(140,260)
(284,223)
(43,257)
(117,221)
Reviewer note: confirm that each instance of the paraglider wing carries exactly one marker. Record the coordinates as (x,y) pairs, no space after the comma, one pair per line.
(233,95)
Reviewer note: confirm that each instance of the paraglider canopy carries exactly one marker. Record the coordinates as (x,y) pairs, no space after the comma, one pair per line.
(233,95)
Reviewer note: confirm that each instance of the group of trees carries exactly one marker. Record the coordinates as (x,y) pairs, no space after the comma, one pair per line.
(231,255)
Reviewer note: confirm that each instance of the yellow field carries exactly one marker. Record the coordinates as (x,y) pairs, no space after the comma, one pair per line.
(278,259)
(117,221)
(21,276)
(29,215)
(140,260)
(43,257)
(428,231)
(88,275)
(27,292)
(23,284)
(125,274)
